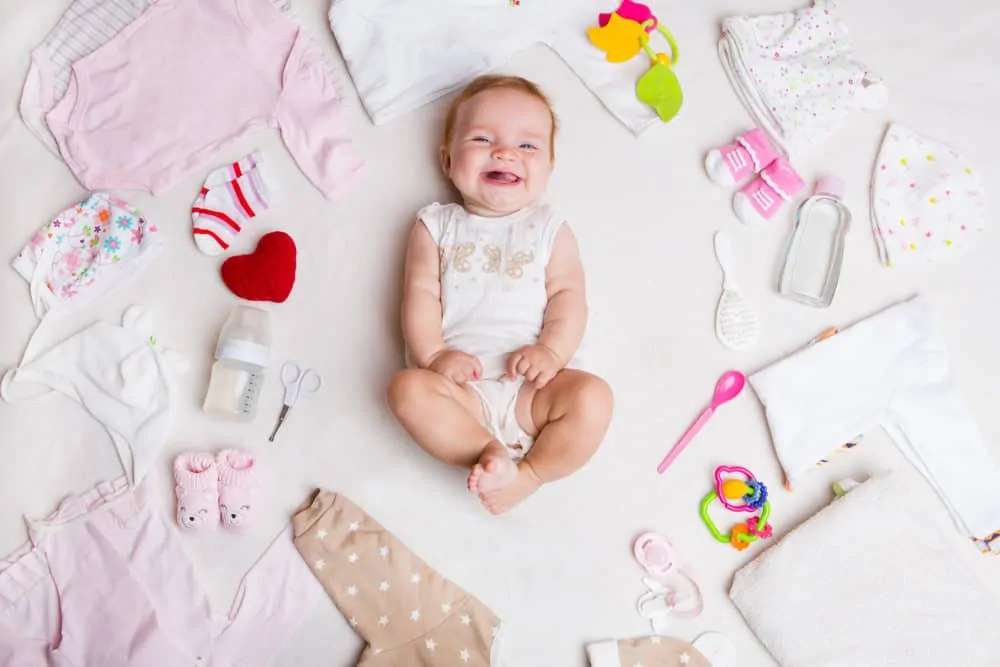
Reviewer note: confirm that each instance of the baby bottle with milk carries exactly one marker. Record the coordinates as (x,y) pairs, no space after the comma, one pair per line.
(240,360)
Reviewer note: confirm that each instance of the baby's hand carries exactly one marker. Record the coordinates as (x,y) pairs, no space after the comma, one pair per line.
(537,363)
(457,366)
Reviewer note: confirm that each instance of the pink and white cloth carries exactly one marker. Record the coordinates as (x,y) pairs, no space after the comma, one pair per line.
(187,77)
(105,581)
(797,74)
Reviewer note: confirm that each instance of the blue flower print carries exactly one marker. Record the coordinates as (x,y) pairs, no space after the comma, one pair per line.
(124,222)
(112,244)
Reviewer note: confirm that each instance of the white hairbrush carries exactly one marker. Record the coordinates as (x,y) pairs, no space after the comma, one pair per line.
(736,323)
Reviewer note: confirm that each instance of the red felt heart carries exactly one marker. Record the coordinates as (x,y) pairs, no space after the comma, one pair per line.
(267,274)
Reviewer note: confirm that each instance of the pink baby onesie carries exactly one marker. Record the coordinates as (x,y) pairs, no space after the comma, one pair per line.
(106,582)
(186,78)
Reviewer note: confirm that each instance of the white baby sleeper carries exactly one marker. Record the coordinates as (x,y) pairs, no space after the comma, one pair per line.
(891,370)
(797,75)
(403,54)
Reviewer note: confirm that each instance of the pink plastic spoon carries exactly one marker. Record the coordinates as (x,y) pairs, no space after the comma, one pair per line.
(727,388)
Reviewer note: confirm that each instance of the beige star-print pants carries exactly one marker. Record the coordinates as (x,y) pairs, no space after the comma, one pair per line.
(647,652)
(409,614)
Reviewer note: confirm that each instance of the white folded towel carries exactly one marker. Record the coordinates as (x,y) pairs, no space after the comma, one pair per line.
(877,579)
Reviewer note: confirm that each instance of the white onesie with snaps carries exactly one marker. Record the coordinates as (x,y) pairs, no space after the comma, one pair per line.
(493,297)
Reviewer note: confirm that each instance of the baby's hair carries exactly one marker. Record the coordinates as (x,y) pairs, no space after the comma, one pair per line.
(489,82)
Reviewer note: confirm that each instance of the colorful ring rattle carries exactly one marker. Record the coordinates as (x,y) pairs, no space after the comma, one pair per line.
(621,34)
(739,494)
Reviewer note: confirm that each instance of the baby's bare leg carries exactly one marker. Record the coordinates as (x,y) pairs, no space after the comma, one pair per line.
(441,416)
(570,416)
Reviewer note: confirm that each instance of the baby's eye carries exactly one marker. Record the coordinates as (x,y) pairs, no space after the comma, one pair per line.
(481,140)
(528,146)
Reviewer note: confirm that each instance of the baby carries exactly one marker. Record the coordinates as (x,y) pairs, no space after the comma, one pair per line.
(494,307)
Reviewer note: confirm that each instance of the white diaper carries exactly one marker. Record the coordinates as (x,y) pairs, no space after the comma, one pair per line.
(499,399)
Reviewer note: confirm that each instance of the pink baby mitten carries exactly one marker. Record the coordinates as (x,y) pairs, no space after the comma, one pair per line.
(731,164)
(239,488)
(196,483)
(761,198)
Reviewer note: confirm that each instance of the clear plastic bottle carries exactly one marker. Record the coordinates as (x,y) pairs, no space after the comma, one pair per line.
(240,360)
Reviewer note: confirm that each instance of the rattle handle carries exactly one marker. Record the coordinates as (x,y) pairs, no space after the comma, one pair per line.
(684,441)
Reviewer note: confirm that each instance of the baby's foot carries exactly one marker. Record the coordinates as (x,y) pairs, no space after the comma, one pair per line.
(501,499)
(494,469)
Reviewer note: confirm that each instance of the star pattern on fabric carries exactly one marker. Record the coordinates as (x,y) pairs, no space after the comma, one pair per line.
(383,552)
(383,620)
(354,527)
(465,619)
(321,533)
(446,608)
(415,615)
(415,578)
(655,641)
(430,644)
(384,586)
(465,655)
(319,565)
(352,557)
(685,658)
(352,591)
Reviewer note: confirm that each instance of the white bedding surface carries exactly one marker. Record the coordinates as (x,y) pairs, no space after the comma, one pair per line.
(559,569)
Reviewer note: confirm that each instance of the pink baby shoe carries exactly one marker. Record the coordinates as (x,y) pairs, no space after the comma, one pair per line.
(761,198)
(196,483)
(239,488)
(751,152)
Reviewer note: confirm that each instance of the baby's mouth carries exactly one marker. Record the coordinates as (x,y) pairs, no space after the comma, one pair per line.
(502,177)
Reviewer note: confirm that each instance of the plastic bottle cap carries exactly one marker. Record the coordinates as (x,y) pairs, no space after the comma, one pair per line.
(242,350)
(831,186)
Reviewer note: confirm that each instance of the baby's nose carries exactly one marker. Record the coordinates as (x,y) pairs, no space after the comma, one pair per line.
(503,154)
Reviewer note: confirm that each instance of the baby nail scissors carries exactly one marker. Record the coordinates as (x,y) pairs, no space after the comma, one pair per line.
(297,380)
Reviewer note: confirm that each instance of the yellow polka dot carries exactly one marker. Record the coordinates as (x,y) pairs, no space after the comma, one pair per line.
(930,158)
(947,243)
(968,171)
(913,246)
(902,161)
(933,200)
(903,222)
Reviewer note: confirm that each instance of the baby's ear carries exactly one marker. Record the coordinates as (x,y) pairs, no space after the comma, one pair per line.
(445,160)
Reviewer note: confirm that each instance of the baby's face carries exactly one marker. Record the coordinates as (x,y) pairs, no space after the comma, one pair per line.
(499,157)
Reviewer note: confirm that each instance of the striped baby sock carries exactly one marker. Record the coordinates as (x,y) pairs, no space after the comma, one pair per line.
(232,196)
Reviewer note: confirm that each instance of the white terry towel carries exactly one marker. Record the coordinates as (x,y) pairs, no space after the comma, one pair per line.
(892,371)
(877,579)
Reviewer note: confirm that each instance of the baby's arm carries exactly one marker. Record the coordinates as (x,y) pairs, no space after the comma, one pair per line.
(565,316)
(422,312)
(566,312)
(422,297)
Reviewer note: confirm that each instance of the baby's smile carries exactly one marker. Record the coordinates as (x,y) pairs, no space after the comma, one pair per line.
(497,177)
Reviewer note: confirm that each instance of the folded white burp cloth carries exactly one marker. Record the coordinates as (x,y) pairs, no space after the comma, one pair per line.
(927,202)
(797,75)
(891,370)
